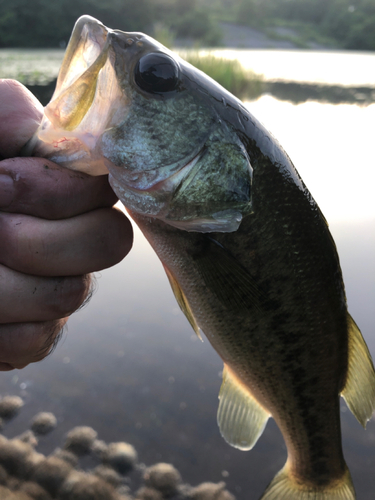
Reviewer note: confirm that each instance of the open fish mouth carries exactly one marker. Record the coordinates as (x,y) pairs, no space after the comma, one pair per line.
(78,79)
(84,103)
(88,101)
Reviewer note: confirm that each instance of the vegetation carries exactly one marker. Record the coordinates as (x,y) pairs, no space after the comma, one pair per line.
(46,23)
(351,23)
(229,73)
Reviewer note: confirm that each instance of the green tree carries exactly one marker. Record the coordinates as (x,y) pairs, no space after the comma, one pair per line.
(45,23)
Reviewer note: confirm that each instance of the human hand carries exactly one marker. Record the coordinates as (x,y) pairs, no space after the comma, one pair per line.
(56,227)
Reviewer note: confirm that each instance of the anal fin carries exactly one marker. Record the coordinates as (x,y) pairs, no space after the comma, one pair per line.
(240,417)
(359,390)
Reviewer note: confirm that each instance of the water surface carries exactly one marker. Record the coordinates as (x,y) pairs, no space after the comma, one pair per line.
(347,68)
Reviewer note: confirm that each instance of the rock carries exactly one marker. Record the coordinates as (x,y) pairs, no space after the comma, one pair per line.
(32,460)
(211,491)
(43,423)
(82,486)
(6,494)
(99,449)
(67,456)
(51,473)
(80,440)
(124,492)
(3,476)
(146,493)
(35,491)
(10,406)
(108,474)
(163,477)
(121,456)
(29,438)
(14,455)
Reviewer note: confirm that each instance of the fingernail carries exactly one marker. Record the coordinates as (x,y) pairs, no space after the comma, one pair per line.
(6,190)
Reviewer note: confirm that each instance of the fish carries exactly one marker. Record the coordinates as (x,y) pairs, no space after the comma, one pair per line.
(247,251)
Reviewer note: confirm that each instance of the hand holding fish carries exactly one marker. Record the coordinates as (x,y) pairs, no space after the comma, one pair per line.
(56,226)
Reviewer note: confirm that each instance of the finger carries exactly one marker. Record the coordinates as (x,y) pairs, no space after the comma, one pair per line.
(79,245)
(27,298)
(38,187)
(24,343)
(20,113)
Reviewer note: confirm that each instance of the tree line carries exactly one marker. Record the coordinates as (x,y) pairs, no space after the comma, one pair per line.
(46,23)
(350,22)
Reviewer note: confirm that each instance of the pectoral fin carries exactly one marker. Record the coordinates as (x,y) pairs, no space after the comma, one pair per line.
(240,417)
(226,278)
(359,390)
(182,302)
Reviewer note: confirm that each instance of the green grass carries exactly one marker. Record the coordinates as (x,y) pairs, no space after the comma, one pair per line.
(228,73)
(164,35)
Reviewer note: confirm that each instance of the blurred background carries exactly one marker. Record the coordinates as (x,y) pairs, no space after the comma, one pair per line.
(345,24)
(129,365)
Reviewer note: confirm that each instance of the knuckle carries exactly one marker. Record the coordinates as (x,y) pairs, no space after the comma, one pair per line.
(24,343)
(70,294)
(45,339)
(119,236)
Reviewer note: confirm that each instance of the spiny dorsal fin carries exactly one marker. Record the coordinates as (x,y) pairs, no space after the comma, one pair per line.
(182,302)
(359,390)
(226,278)
(240,417)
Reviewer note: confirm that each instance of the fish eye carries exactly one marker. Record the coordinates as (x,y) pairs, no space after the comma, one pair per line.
(156,73)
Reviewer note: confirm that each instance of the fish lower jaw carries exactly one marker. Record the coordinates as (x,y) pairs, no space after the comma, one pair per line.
(73,151)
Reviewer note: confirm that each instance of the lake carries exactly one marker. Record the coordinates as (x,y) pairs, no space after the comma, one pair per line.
(130,365)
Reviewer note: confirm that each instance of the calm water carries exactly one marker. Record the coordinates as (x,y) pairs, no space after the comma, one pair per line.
(335,68)
(131,367)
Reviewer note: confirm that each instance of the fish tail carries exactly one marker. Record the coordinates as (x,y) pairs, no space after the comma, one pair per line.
(285,487)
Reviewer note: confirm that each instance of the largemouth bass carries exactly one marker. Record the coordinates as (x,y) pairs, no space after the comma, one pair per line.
(245,247)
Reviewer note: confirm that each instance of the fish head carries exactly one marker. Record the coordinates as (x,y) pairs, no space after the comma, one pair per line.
(126,105)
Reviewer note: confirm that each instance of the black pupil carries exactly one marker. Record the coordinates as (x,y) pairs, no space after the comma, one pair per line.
(156,73)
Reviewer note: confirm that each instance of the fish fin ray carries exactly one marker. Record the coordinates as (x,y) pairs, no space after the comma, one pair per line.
(359,390)
(240,417)
(284,487)
(182,302)
(232,284)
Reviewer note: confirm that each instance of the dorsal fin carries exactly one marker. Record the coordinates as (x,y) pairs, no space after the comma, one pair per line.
(240,417)
(182,302)
(359,390)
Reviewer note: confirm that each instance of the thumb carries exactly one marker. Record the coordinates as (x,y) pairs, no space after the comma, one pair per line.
(20,115)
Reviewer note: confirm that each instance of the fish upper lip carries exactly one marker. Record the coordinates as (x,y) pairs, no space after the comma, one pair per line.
(87,29)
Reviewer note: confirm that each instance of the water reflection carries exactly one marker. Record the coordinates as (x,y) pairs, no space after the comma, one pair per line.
(131,367)
(348,68)
(332,148)
(296,93)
